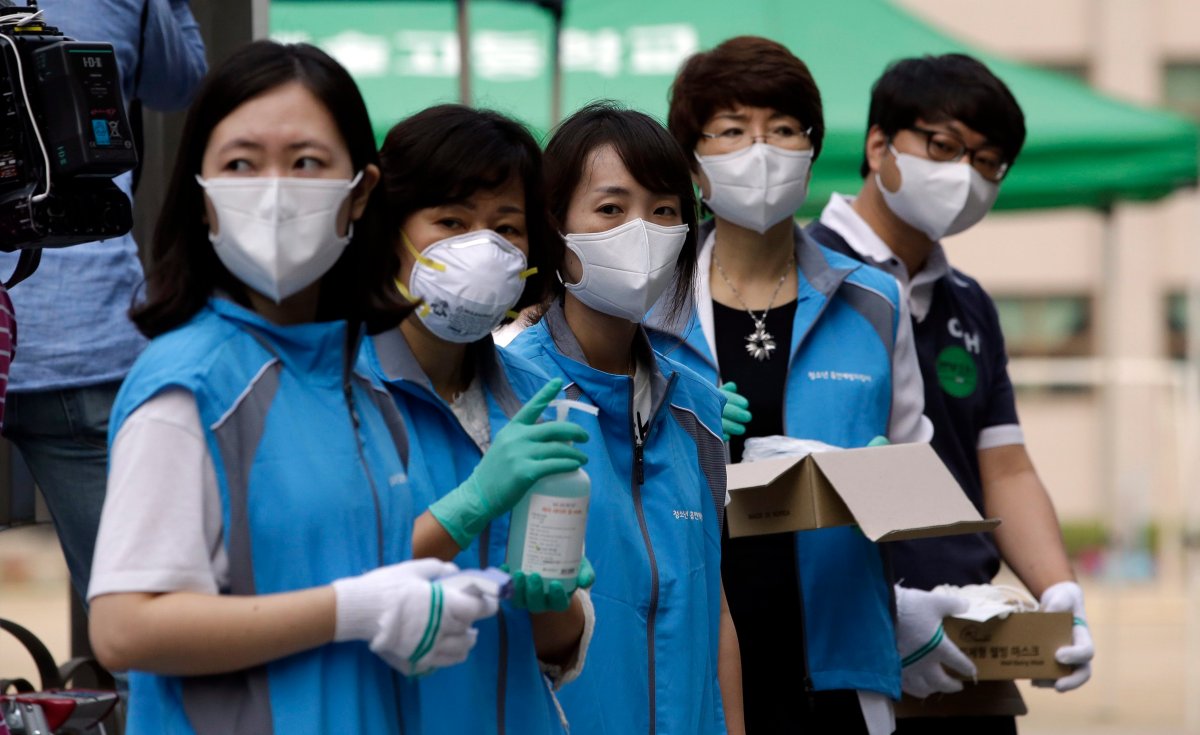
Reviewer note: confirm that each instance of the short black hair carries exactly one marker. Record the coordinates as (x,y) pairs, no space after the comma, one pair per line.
(445,154)
(947,87)
(651,156)
(184,270)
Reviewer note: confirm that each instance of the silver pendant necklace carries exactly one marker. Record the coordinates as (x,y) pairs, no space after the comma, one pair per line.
(760,343)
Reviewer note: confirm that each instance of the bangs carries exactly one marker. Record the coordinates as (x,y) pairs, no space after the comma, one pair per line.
(650,155)
(447,154)
(750,71)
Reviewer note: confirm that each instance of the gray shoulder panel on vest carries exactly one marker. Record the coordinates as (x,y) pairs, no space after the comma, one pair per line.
(711,451)
(383,401)
(238,703)
(875,308)
(238,434)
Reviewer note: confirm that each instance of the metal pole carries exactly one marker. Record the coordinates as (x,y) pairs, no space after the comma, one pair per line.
(556,66)
(464,53)
(1118,543)
(1185,448)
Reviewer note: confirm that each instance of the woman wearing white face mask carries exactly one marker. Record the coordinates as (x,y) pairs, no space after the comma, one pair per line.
(465,195)
(665,651)
(250,565)
(819,348)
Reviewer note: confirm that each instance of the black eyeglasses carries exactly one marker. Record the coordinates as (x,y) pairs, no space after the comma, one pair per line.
(945,147)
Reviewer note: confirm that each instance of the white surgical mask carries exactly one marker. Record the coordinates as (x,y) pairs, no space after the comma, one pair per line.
(758,186)
(278,235)
(939,199)
(468,284)
(627,268)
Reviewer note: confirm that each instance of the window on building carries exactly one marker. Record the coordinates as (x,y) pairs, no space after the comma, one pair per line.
(1047,325)
(1177,325)
(1181,88)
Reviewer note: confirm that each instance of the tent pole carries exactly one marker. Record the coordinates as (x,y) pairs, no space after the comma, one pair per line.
(556,65)
(1189,475)
(1119,543)
(464,53)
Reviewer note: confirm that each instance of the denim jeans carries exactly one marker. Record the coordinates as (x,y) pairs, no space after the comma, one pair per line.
(63,436)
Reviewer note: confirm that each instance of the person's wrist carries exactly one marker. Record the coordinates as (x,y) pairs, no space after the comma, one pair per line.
(459,512)
(356,610)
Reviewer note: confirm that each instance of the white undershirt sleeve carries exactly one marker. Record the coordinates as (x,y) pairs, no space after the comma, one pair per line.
(160,530)
(1000,436)
(908,422)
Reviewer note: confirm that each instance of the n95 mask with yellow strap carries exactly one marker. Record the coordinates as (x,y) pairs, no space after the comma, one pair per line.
(467,284)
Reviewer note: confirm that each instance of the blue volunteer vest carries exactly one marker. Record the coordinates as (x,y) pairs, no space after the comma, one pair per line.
(309,494)
(654,538)
(839,391)
(500,688)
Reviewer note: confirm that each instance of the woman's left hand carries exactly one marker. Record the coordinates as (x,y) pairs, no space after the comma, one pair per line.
(532,593)
(736,414)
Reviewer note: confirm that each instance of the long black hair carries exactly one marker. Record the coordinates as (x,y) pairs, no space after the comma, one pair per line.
(184,270)
(651,156)
(447,153)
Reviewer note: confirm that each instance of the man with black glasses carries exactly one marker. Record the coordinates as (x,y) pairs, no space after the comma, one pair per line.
(942,134)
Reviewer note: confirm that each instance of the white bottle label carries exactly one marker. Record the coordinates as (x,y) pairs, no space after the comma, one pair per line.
(554,536)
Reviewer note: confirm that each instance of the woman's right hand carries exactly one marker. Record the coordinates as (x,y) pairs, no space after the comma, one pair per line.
(522,453)
(409,619)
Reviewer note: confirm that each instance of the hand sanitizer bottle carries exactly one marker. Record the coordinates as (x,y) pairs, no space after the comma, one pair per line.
(549,524)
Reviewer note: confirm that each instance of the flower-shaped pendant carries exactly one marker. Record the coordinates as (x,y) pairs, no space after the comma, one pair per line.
(761,343)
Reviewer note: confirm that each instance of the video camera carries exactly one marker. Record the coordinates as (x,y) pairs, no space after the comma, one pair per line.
(64,135)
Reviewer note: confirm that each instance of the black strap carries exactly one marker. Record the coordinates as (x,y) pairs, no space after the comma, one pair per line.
(83,672)
(136,121)
(18,685)
(38,651)
(26,265)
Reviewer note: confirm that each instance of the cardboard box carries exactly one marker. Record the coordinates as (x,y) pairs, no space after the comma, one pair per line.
(1020,646)
(892,492)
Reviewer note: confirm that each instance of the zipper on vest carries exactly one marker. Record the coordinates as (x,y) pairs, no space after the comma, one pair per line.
(362,460)
(639,435)
(639,462)
(484,541)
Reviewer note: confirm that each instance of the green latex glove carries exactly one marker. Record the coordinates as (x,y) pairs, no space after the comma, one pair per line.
(735,416)
(878,441)
(522,453)
(532,593)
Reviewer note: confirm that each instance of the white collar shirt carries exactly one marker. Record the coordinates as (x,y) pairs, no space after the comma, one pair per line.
(839,215)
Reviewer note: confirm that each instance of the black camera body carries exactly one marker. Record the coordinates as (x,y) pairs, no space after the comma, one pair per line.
(64,135)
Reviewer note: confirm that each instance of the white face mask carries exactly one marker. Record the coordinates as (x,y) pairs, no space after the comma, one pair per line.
(939,199)
(627,268)
(278,235)
(758,186)
(468,283)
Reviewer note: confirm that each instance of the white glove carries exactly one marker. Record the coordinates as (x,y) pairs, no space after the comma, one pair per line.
(412,622)
(924,648)
(1068,597)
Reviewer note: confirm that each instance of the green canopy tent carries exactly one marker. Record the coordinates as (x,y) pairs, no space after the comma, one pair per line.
(1084,149)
